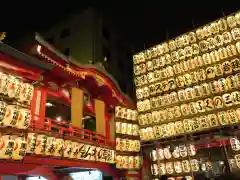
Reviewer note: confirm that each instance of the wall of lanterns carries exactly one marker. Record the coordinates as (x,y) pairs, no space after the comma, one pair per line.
(234,154)
(16,147)
(127,139)
(183,160)
(15,100)
(183,81)
(180,160)
(188,85)
(51,146)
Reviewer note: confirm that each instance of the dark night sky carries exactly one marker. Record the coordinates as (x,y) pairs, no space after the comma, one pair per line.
(142,24)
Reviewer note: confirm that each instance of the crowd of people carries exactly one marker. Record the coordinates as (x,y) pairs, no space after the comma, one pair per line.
(227,176)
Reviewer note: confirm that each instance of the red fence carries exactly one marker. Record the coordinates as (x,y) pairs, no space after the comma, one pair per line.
(67,130)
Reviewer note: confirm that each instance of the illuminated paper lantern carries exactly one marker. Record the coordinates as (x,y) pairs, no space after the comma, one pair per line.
(41,143)
(84,152)
(67,148)
(75,150)
(20,148)
(92,153)
(124,145)
(4,83)
(237,159)
(129,129)
(3,108)
(169,167)
(50,146)
(137,146)
(154,169)
(177,166)
(118,127)
(131,145)
(118,144)
(135,115)
(131,162)
(124,128)
(176,153)
(24,119)
(59,147)
(194,165)
(6,146)
(125,162)
(162,169)
(119,162)
(154,155)
(31,142)
(137,162)
(26,93)
(160,154)
(11,115)
(186,166)
(13,88)
(129,114)
(124,113)
(118,112)
(111,156)
(135,130)
(191,150)
(167,153)
(183,150)
(235,144)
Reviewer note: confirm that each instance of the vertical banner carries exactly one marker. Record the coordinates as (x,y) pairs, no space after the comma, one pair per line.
(38,107)
(77,107)
(100,117)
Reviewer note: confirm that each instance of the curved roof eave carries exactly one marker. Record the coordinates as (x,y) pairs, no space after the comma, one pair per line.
(98,68)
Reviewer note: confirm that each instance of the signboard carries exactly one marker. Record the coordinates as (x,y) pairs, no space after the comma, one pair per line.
(93,153)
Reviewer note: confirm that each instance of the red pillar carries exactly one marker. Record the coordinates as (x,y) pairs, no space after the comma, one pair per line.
(107,122)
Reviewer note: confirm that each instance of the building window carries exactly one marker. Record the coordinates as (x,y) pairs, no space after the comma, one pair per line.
(50,40)
(106,54)
(66,51)
(105,33)
(65,33)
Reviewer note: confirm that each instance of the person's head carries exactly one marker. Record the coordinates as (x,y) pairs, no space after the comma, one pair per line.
(183,178)
(164,177)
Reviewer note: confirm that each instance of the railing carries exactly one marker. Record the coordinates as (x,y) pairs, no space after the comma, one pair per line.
(67,130)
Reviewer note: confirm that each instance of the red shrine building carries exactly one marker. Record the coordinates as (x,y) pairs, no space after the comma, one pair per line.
(57,116)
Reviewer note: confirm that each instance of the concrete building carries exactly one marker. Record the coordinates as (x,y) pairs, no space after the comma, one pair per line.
(89,39)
